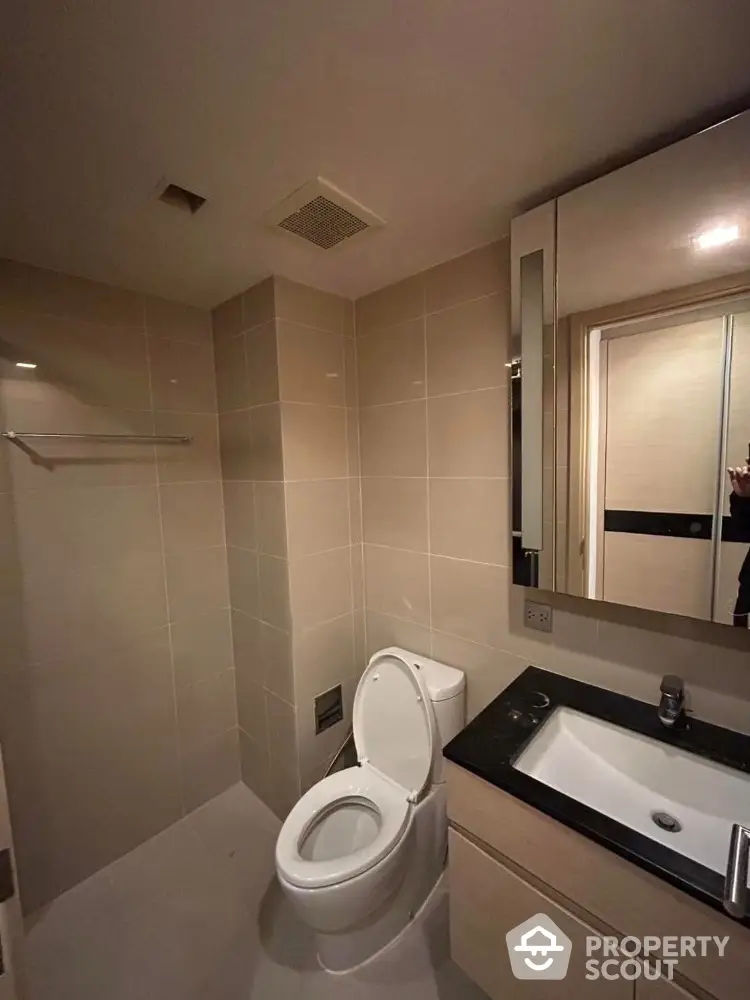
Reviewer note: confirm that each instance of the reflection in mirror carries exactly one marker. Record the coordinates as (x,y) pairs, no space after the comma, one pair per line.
(650,402)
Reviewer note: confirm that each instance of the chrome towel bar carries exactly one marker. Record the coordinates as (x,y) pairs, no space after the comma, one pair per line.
(146,438)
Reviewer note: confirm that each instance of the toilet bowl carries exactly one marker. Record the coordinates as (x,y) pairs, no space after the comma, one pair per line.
(361,850)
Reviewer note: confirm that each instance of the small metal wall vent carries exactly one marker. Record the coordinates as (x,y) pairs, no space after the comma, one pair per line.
(329,709)
(179,197)
(320,214)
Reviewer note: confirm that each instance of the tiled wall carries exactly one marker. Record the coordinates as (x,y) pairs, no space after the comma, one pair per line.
(285,374)
(117,708)
(433,390)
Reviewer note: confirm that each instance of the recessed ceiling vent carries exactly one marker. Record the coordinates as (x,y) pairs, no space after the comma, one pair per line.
(181,198)
(320,214)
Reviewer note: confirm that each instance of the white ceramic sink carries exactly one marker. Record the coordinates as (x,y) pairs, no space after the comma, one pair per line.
(629,777)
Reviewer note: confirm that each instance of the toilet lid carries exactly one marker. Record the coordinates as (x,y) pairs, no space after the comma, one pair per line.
(394,728)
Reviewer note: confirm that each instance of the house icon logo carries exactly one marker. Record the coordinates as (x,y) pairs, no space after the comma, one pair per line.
(538,949)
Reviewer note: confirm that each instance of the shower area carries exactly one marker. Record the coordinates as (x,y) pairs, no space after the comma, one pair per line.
(181,557)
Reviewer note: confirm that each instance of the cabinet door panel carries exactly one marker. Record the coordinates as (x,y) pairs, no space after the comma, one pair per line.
(486,901)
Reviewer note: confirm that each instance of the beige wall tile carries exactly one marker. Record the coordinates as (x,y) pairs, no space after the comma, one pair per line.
(255,767)
(278,670)
(468,434)
(479,272)
(350,371)
(196,461)
(244,592)
(320,587)
(349,327)
(311,365)
(68,614)
(310,306)
(58,531)
(258,304)
(192,515)
(58,774)
(392,364)
(360,644)
(393,440)
(469,519)
(91,364)
(467,346)
(487,670)
(226,319)
(262,365)
(274,591)
(385,630)
(206,709)
(236,445)
(282,724)
(210,769)
(285,788)
(248,654)
(201,647)
(266,448)
(317,516)
(355,511)
(176,321)
(239,514)
(270,512)
(232,387)
(251,709)
(196,582)
(35,289)
(352,441)
(182,376)
(390,305)
(468,598)
(314,441)
(323,657)
(395,513)
(356,555)
(397,583)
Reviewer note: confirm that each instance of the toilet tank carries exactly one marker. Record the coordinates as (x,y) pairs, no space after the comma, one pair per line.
(447,689)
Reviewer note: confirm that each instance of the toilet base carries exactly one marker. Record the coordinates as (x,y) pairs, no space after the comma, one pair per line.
(349,949)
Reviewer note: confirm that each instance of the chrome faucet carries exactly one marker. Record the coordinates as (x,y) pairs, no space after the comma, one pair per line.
(735,883)
(671,710)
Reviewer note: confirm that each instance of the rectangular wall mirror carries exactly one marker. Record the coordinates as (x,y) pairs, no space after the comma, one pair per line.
(643,401)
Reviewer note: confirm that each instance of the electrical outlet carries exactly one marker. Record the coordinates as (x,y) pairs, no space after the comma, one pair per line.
(537,616)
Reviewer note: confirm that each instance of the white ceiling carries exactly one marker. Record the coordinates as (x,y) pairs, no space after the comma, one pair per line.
(442,116)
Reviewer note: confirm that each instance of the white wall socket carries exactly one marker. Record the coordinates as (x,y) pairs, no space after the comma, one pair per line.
(537,616)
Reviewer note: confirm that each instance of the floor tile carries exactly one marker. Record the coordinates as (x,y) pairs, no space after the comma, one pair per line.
(196,913)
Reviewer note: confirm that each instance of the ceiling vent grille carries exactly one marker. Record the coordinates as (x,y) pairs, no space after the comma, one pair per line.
(179,197)
(320,214)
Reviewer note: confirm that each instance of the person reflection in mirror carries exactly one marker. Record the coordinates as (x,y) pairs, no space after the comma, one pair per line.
(739,509)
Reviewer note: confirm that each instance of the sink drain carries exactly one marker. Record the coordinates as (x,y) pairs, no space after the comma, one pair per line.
(666,822)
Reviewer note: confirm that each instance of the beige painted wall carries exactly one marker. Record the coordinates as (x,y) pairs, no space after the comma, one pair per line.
(117,710)
(433,395)
(288,419)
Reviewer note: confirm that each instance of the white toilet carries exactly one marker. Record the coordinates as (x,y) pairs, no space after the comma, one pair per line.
(361,851)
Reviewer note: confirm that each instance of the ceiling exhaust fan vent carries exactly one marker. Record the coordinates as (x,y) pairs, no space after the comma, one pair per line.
(320,214)
(179,197)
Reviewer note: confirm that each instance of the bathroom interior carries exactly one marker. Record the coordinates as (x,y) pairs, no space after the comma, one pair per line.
(371,576)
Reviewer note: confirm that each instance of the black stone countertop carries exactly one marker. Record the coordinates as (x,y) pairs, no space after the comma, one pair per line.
(490,744)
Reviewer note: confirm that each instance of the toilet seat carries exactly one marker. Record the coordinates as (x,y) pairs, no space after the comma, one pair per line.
(355,784)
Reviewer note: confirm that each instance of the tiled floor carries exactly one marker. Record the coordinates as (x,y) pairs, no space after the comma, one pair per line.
(196,914)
